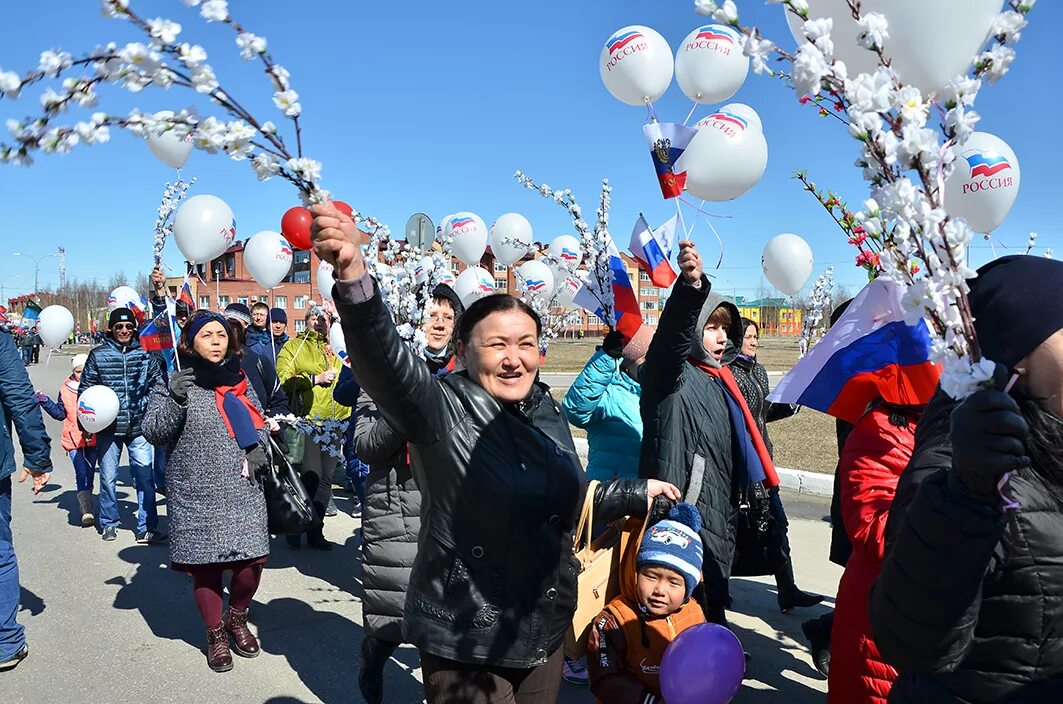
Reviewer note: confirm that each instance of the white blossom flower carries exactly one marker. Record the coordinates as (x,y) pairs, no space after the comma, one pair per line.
(916,144)
(190,3)
(191,55)
(874,31)
(203,79)
(50,99)
(960,122)
(114,8)
(801,6)
(268,127)
(1009,25)
(164,30)
(998,61)
(280,75)
(139,56)
(52,62)
(810,67)
(10,83)
(304,168)
(705,7)
(1048,254)
(961,90)
(870,92)
(961,378)
(909,101)
(818,32)
(288,102)
(757,50)
(214,10)
(265,165)
(727,13)
(251,45)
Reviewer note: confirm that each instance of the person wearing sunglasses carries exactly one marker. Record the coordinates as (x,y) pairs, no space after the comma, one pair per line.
(122,365)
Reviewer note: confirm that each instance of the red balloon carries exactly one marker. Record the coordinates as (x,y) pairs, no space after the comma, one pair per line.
(295,226)
(344,208)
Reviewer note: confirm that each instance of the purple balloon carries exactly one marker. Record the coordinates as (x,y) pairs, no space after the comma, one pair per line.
(703,665)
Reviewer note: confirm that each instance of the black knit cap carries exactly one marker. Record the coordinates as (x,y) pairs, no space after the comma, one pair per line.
(120,315)
(1017,305)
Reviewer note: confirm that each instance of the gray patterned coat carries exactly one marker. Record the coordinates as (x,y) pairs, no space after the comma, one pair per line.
(216,515)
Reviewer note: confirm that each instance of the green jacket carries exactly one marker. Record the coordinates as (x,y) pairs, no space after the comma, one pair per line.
(299,361)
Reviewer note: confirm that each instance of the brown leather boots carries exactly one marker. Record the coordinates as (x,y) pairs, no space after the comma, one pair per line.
(219,657)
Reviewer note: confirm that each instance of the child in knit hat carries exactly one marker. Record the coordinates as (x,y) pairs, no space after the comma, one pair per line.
(630,635)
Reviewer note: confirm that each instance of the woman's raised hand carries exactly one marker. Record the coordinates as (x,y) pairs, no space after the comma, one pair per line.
(335,239)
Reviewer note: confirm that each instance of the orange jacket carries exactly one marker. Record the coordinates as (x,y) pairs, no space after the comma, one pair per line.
(73,437)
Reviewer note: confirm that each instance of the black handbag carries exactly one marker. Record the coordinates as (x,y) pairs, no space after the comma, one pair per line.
(759,537)
(288,507)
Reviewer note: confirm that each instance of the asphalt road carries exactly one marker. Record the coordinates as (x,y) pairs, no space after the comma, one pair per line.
(110,622)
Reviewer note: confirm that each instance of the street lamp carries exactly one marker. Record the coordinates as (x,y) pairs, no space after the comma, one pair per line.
(36,266)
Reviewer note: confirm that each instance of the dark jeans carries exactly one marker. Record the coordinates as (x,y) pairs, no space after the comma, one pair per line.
(12,637)
(450,682)
(27,355)
(84,461)
(36,355)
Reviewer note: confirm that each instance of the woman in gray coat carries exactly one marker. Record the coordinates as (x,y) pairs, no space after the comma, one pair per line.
(214,426)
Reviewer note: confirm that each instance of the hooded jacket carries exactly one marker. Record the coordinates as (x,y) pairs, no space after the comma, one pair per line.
(299,361)
(604,401)
(684,413)
(625,649)
(131,373)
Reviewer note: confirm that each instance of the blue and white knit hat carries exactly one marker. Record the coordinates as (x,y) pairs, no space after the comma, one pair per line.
(674,543)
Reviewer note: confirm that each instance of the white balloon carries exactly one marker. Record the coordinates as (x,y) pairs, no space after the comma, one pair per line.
(538,279)
(636,65)
(710,65)
(984,182)
(338,344)
(168,147)
(268,257)
(447,278)
(747,113)
(203,228)
(566,249)
(54,325)
(787,262)
(567,291)
(126,297)
(97,408)
(473,284)
(469,234)
(922,54)
(325,280)
(726,158)
(511,238)
(422,270)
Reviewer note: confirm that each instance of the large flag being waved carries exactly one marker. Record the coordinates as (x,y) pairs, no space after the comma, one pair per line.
(30,315)
(869,353)
(626,312)
(653,250)
(668,141)
(157,334)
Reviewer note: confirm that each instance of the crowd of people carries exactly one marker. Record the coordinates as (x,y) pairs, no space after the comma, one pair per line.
(947,515)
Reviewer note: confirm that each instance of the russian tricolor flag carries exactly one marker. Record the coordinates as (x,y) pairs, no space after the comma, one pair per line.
(627,315)
(869,353)
(653,250)
(158,334)
(668,141)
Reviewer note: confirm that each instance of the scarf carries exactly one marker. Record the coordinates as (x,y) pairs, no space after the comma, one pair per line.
(756,464)
(229,384)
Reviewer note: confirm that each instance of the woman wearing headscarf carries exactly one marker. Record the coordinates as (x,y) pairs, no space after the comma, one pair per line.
(213,423)
(752,380)
(969,603)
(493,588)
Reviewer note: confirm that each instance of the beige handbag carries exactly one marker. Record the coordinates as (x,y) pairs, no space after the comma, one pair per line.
(598,582)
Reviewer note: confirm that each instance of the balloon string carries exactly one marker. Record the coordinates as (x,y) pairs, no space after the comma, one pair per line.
(653,113)
(718,239)
(691,113)
(704,212)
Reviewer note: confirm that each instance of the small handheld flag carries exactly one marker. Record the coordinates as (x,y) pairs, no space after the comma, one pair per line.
(668,141)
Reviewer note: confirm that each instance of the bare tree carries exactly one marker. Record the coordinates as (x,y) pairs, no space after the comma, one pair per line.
(118,278)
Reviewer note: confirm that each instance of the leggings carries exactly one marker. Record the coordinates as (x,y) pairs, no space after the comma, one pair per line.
(450,682)
(208,587)
(316,474)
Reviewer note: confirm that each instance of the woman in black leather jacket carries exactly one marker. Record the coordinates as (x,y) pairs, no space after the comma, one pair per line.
(493,587)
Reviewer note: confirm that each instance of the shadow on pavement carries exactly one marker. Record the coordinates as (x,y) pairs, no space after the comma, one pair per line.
(161,595)
(28,601)
(341,567)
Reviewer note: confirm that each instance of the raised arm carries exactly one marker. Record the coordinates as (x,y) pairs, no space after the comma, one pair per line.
(406,393)
(671,344)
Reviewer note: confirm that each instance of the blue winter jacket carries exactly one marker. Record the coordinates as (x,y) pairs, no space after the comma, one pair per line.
(604,401)
(19,408)
(131,373)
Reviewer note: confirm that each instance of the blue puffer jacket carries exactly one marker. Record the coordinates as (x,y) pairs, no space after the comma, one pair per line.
(19,407)
(131,373)
(604,401)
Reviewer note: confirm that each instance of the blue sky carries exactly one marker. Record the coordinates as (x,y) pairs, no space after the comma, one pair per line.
(428,106)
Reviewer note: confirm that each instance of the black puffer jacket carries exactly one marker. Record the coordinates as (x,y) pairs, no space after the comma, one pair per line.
(684,413)
(131,373)
(969,604)
(494,581)
(391,522)
(752,379)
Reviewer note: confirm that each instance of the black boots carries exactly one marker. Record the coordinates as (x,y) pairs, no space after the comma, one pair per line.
(790,597)
(817,631)
(375,654)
